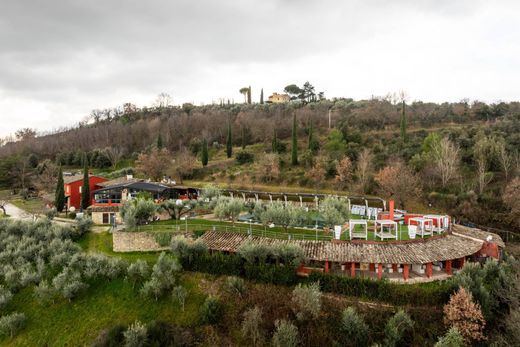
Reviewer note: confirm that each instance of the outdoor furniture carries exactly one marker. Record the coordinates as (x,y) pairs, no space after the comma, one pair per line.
(385,229)
(424,225)
(438,222)
(356,234)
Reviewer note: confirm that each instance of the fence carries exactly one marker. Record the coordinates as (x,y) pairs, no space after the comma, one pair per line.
(304,235)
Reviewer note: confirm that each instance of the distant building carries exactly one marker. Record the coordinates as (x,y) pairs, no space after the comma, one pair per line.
(73,185)
(278,98)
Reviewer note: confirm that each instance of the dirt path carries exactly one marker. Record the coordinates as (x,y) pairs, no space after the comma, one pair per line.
(17,213)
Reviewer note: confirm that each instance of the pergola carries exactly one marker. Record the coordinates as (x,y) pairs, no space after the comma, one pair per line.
(425,225)
(379,229)
(352,229)
(440,222)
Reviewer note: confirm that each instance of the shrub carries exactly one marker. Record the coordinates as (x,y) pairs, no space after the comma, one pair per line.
(12,323)
(251,326)
(461,312)
(68,283)
(353,328)
(5,296)
(44,293)
(164,239)
(285,335)
(235,285)
(244,157)
(306,301)
(211,310)
(51,213)
(396,329)
(112,337)
(162,333)
(452,339)
(137,272)
(179,294)
(135,335)
(152,287)
(83,226)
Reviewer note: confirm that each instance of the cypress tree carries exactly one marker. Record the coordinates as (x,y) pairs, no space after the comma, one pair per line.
(229,141)
(310,145)
(59,197)
(274,144)
(159,142)
(85,190)
(294,149)
(249,95)
(262,96)
(205,156)
(244,142)
(403,125)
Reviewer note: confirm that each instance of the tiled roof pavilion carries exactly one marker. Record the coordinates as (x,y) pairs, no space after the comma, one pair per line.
(459,243)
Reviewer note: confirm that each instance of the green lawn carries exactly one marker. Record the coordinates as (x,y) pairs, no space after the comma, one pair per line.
(195,225)
(102,243)
(101,307)
(32,205)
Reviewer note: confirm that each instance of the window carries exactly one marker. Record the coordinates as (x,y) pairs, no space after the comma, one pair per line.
(80,189)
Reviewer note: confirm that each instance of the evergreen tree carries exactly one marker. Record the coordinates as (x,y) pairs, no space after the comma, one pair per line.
(59,198)
(404,135)
(313,145)
(244,142)
(229,141)
(262,96)
(294,149)
(85,190)
(274,142)
(159,142)
(249,95)
(205,157)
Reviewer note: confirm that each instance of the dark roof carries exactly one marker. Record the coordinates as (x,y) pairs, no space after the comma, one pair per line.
(119,180)
(137,185)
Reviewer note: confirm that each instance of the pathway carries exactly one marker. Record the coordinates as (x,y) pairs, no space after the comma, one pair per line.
(17,213)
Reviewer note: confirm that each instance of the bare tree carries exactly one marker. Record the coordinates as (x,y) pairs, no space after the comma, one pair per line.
(269,167)
(344,172)
(365,168)
(397,181)
(163,100)
(446,160)
(506,160)
(114,154)
(184,164)
(317,173)
(153,164)
(25,134)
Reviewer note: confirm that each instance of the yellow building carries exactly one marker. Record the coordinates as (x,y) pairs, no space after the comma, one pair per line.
(278,98)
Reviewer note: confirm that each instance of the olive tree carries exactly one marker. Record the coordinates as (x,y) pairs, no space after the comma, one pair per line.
(137,272)
(285,335)
(179,294)
(334,211)
(228,208)
(306,301)
(353,328)
(396,328)
(12,323)
(135,335)
(138,211)
(251,326)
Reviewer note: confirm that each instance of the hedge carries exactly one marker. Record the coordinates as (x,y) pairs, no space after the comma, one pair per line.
(428,294)
(234,265)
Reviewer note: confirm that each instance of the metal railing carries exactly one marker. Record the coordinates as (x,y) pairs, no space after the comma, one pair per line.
(247,230)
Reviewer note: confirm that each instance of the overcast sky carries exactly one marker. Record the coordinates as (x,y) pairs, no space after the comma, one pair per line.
(61,59)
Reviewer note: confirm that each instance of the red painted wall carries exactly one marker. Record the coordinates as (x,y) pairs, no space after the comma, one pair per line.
(72,190)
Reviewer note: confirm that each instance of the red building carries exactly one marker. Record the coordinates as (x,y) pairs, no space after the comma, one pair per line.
(73,185)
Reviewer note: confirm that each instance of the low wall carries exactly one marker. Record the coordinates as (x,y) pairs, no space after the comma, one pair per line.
(124,241)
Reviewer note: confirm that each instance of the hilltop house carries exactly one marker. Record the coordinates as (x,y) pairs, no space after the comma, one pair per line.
(278,98)
(73,185)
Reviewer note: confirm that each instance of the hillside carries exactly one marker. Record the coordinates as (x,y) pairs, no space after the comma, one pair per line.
(368,149)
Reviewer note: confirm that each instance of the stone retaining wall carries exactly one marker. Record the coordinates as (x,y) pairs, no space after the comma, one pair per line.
(134,242)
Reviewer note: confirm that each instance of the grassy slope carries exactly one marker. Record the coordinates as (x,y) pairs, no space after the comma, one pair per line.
(103,305)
